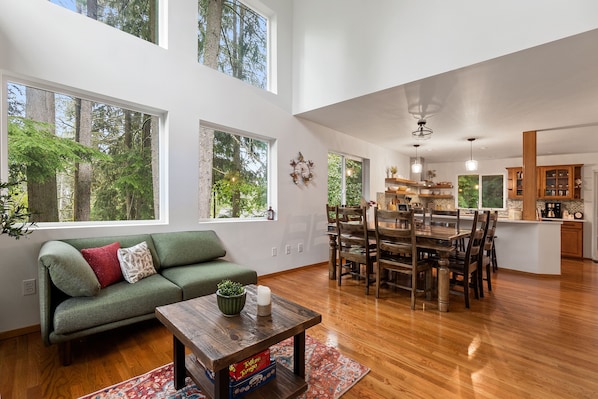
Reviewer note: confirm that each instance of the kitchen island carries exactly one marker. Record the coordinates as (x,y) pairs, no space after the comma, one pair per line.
(531,246)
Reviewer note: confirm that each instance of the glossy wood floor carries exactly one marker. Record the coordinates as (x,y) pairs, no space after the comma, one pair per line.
(532,337)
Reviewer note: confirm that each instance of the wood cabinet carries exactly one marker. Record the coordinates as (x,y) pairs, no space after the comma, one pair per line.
(560,182)
(572,239)
(554,182)
(515,183)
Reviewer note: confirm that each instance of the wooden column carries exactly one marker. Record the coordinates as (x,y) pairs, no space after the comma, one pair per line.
(530,191)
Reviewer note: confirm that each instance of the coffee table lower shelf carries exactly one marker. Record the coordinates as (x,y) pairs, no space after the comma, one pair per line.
(286,385)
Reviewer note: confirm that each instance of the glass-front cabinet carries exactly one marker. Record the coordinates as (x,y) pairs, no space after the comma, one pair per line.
(560,182)
(554,182)
(515,183)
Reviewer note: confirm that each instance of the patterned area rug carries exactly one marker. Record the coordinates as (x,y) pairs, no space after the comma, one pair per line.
(329,375)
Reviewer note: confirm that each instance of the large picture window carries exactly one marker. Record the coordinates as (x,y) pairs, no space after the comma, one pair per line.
(136,17)
(81,160)
(481,191)
(345,180)
(233,38)
(233,174)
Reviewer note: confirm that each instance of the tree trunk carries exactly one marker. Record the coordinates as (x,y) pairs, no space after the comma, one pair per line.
(213,27)
(41,189)
(206,135)
(128,135)
(155,144)
(83,171)
(206,158)
(236,195)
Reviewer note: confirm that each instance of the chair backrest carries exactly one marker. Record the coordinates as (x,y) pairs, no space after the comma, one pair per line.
(395,235)
(420,215)
(445,222)
(491,231)
(331,213)
(353,237)
(476,238)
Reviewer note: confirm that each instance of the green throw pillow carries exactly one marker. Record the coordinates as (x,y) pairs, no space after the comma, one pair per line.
(68,269)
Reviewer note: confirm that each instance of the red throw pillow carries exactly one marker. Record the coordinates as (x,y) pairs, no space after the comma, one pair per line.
(104,262)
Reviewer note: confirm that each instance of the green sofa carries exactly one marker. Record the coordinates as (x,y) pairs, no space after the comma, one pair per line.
(188,265)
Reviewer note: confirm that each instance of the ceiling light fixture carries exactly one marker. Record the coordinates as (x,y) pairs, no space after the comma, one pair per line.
(416,166)
(422,132)
(472,164)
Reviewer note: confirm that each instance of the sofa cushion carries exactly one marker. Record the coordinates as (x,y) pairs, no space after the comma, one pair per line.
(202,279)
(114,303)
(187,247)
(104,263)
(124,241)
(68,270)
(136,262)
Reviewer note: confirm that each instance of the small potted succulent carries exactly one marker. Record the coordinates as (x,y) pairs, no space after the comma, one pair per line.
(231,297)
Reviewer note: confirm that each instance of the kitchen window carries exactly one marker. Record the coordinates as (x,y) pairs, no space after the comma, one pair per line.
(481,192)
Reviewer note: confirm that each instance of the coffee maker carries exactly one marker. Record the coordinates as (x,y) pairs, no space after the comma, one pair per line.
(553,210)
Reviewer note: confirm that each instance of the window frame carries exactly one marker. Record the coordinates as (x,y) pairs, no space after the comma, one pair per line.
(162,116)
(480,190)
(364,175)
(271,197)
(271,45)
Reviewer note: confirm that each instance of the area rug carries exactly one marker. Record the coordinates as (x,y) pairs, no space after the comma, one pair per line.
(329,375)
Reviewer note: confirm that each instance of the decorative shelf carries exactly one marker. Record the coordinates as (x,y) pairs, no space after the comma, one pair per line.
(438,196)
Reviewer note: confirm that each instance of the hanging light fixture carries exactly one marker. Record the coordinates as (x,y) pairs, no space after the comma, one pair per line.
(416,166)
(471,164)
(422,132)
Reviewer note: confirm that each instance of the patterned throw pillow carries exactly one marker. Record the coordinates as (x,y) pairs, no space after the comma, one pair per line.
(136,262)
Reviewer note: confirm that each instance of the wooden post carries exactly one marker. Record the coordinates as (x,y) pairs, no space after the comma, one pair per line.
(530,190)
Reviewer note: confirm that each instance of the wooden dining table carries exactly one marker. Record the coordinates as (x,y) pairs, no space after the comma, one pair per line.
(440,239)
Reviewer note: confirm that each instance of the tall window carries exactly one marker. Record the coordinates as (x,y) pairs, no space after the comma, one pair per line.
(136,17)
(487,190)
(81,160)
(233,174)
(345,180)
(233,38)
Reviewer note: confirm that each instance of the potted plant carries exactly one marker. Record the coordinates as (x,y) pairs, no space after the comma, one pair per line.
(231,297)
(13,215)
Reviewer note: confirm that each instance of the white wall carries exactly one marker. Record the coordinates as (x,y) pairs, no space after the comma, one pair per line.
(347,48)
(45,43)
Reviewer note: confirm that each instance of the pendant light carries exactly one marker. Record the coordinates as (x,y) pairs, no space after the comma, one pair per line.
(472,164)
(422,132)
(416,166)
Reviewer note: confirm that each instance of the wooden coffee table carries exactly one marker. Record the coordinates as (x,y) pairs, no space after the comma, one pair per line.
(217,341)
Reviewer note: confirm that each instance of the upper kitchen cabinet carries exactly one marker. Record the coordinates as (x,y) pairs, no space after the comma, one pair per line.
(560,182)
(515,183)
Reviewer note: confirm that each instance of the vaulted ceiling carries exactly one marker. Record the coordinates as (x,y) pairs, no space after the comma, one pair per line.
(552,88)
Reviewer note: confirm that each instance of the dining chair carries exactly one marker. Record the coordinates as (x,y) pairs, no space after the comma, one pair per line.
(355,246)
(421,215)
(488,253)
(397,253)
(464,270)
(331,215)
(435,219)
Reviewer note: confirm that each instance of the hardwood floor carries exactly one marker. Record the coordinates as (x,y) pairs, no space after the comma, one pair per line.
(531,337)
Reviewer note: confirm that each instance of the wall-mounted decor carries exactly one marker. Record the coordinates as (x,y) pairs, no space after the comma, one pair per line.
(301,169)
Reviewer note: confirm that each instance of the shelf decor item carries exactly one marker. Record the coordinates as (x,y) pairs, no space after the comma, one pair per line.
(301,169)
(231,297)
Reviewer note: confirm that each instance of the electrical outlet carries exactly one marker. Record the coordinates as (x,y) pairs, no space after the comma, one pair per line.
(300,247)
(29,287)
(274,251)
(287,249)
